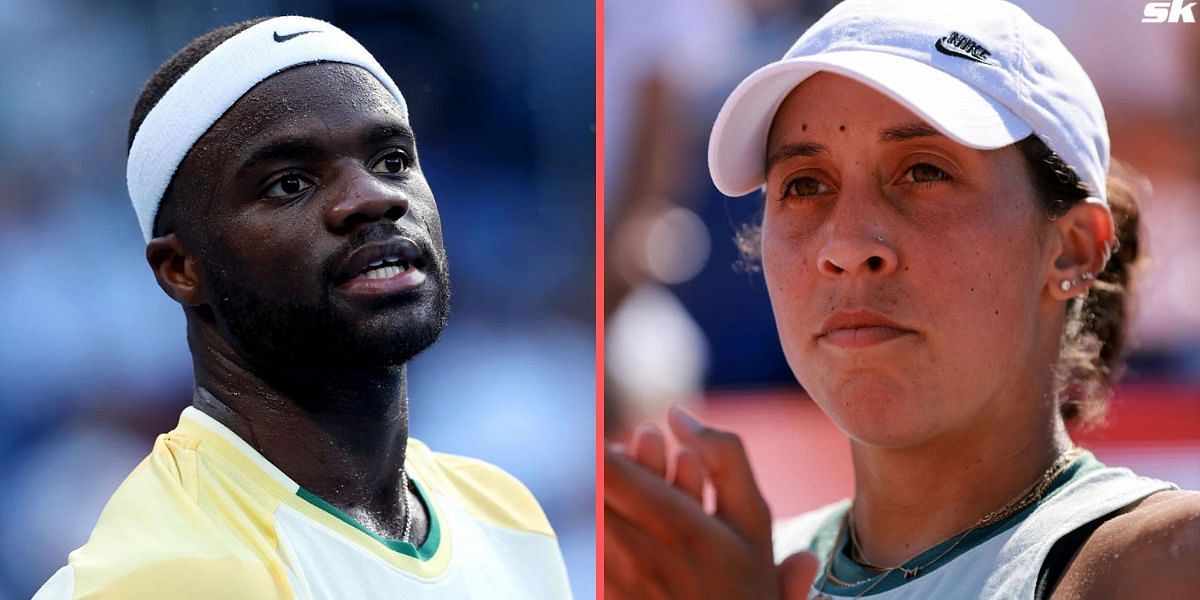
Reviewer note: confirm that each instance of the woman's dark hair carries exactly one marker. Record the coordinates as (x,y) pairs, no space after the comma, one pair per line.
(1095,333)
(1095,330)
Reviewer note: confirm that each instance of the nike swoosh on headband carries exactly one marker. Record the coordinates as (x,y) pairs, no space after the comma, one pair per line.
(284,38)
(957,44)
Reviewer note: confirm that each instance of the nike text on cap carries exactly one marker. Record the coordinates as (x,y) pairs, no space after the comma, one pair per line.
(982,72)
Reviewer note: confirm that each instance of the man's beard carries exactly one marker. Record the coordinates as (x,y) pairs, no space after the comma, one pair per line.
(283,333)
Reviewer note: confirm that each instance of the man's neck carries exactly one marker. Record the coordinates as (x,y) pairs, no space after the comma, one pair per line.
(339,434)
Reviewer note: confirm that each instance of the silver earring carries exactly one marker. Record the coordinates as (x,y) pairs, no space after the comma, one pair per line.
(1067,284)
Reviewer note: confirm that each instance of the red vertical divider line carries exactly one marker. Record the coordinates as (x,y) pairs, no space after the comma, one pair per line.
(599,299)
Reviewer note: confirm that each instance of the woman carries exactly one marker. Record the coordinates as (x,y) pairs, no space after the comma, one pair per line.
(947,260)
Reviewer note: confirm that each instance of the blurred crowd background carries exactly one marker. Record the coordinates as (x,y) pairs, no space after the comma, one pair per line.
(687,322)
(93,360)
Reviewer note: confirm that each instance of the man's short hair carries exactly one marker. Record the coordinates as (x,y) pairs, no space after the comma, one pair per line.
(162,80)
(176,66)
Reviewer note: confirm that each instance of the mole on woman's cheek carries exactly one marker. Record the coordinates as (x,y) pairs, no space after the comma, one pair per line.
(804,127)
(841,127)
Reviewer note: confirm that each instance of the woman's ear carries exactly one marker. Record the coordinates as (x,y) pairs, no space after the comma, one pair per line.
(175,269)
(1085,241)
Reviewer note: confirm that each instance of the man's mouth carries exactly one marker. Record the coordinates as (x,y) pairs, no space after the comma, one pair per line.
(385,267)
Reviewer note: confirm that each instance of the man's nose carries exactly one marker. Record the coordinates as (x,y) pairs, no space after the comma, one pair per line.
(364,198)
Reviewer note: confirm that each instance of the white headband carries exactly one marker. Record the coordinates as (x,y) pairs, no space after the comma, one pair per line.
(215,83)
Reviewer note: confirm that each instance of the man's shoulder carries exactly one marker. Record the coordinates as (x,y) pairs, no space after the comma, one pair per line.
(1151,549)
(182,578)
(158,533)
(175,496)
(484,490)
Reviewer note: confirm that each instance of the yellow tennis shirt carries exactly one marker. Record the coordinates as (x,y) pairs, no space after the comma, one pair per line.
(206,516)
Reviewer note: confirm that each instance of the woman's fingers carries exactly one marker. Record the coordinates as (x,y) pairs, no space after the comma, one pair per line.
(628,572)
(739,502)
(620,563)
(796,575)
(649,502)
(689,474)
(649,447)
(659,542)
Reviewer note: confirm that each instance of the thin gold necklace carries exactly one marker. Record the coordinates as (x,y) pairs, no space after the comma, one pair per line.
(1032,494)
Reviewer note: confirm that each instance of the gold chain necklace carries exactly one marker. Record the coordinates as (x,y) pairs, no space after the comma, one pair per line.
(1032,494)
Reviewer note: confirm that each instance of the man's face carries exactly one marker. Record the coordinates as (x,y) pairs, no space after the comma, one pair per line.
(304,184)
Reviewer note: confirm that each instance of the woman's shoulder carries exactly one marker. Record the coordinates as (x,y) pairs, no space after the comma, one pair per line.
(1151,549)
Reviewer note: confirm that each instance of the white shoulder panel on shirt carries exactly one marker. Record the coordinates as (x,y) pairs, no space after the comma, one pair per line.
(60,586)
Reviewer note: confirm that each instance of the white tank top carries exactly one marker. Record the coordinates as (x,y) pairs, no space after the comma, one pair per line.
(1001,561)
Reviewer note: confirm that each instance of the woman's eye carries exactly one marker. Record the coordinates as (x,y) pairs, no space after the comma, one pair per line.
(804,186)
(395,161)
(286,186)
(925,173)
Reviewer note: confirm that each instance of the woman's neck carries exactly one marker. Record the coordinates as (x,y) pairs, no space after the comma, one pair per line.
(908,500)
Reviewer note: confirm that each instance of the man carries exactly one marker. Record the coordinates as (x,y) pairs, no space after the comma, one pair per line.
(275,175)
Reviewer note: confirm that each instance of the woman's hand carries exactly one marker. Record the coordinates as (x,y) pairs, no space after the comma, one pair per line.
(660,543)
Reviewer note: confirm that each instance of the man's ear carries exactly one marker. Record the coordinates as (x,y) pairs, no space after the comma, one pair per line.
(1085,240)
(175,269)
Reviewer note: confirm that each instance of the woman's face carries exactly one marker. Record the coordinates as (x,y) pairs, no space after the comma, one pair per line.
(905,270)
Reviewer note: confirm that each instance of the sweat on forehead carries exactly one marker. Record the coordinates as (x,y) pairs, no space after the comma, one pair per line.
(206,91)
(304,113)
(332,95)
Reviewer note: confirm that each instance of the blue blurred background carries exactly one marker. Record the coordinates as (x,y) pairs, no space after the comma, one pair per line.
(93,361)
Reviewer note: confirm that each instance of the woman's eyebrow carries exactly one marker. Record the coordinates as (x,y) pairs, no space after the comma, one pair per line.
(907,131)
(793,150)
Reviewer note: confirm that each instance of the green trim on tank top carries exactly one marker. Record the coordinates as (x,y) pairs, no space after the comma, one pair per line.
(847,570)
(428,547)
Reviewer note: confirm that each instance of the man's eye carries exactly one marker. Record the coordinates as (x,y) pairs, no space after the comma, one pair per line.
(925,173)
(804,186)
(286,186)
(395,161)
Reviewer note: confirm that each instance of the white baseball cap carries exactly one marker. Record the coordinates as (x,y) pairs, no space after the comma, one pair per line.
(982,72)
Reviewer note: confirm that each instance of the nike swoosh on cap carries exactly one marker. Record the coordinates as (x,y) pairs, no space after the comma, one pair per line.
(284,38)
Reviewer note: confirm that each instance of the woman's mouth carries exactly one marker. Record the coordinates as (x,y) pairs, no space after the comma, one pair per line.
(860,328)
(861,337)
